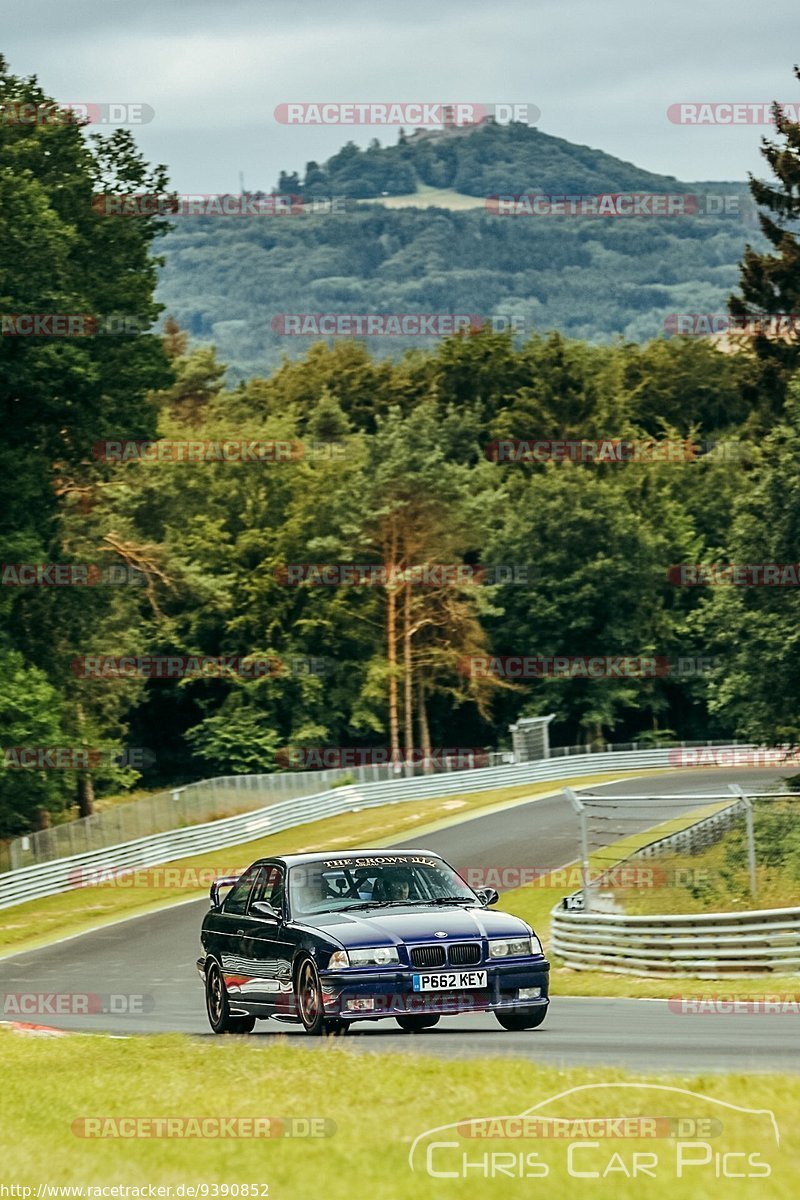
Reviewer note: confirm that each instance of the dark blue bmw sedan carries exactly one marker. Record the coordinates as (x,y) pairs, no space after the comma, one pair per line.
(360,935)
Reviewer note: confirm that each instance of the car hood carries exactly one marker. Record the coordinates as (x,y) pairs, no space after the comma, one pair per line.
(392,926)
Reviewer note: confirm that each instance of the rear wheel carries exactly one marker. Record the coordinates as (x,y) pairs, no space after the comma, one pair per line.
(218,1007)
(517,1021)
(417,1024)
(310,1008)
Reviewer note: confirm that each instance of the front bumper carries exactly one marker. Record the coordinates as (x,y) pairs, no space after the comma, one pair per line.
(392,991)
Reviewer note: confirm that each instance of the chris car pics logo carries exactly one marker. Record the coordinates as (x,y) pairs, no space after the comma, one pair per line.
(608,1131)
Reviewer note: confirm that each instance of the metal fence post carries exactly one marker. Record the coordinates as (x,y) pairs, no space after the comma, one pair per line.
(751,840)
(580,809)
(751,847)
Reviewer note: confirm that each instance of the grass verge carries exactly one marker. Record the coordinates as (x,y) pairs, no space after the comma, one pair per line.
(430,197)
(379,1104)
(717,878)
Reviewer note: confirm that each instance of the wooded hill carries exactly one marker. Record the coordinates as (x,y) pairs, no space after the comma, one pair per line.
(596,278)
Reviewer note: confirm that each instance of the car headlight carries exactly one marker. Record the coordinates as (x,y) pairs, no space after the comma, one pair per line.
(514,947)
(374,956)
(371,956)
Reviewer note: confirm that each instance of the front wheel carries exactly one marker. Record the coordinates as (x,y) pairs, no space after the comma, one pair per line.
(218,1008)
(515,1022)
(310,1008)
(417,1024)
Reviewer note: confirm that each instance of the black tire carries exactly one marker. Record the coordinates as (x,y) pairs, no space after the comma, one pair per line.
(515,1022)
(417,1024)
(308,998)
(218,1007)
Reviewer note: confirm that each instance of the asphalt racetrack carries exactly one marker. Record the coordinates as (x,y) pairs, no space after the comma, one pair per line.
(154,956)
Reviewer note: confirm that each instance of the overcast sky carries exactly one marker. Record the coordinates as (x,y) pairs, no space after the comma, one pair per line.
(602,72)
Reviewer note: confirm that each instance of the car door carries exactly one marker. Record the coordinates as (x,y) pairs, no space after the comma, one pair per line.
(265,948)
(227,928)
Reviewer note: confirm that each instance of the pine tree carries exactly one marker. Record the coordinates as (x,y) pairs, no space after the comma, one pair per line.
(175,340)
(770,281)
(327,422)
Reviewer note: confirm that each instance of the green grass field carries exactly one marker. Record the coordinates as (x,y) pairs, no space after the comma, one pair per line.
(430,197)
(379,1104)
(717,879)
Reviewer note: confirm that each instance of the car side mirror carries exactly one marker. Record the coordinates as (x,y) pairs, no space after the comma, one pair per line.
(487,896)
(262,908)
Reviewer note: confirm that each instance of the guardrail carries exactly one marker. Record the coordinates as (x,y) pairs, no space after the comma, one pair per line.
(34,882)
(703,945)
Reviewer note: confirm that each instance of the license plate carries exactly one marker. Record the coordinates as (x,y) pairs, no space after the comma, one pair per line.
(447,981)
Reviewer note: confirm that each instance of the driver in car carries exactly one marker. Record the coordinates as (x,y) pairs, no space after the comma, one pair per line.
(396,885)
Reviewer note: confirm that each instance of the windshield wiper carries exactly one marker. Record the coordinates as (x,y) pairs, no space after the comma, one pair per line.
(406,903)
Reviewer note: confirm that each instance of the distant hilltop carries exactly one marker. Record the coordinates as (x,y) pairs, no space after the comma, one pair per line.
(480,158)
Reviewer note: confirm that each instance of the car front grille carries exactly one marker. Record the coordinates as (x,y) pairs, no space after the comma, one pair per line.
(427,956)
(465,953)
(460,954)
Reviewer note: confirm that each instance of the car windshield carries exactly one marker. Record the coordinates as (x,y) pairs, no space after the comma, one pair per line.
(374,881)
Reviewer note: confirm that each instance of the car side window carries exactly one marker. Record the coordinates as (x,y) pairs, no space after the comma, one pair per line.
(269,887)
(236,900)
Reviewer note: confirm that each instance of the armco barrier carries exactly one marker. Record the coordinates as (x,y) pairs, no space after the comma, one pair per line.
(48,879)
(703,945)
